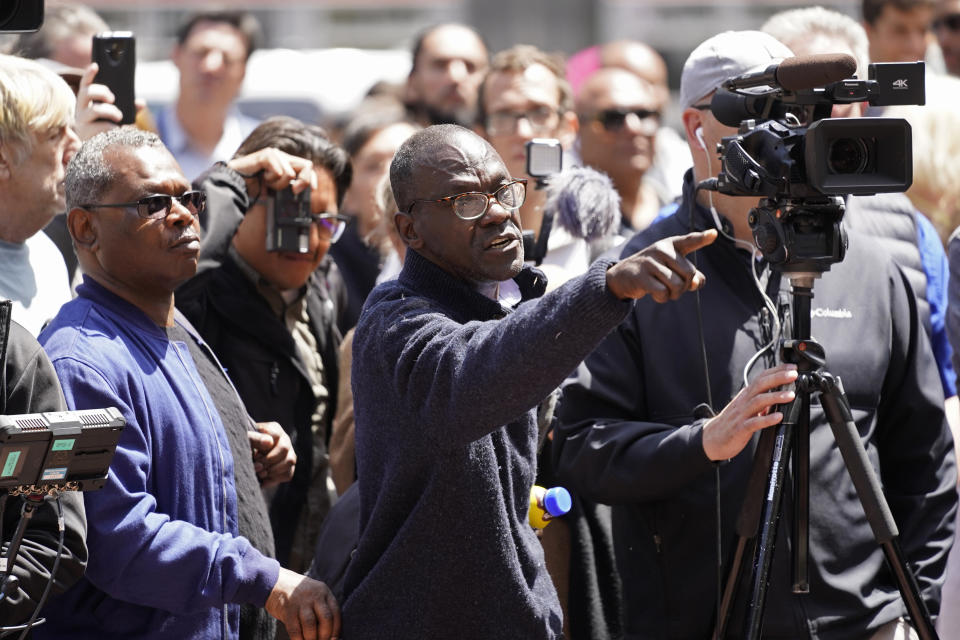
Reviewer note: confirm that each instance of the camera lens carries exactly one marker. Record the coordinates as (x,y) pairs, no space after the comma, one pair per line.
(847,156)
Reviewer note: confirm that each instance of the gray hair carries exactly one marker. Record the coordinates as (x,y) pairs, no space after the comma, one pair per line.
(794,26)
(89,175)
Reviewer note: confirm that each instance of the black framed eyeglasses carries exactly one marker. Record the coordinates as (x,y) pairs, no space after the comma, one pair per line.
(331,225)
(616,119)
(158,205)
(539,118)
(473,204)
(951,21)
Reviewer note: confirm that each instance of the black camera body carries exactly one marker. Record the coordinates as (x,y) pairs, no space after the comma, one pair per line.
(799,161)
(20,16)
(289,220)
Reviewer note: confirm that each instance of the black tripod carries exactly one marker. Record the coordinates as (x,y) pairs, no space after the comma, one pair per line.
(761,510)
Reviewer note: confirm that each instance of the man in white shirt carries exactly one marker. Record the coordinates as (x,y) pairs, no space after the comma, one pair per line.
(204,125)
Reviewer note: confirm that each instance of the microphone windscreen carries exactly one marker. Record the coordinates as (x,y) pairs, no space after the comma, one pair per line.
(815,70)
(584,202)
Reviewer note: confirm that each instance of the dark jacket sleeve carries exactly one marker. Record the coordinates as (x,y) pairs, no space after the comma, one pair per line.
(227,203)
(602,450)
(465,380)
(32,387)
(917,461)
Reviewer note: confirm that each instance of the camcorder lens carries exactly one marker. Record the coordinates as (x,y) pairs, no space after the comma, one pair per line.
(848,156)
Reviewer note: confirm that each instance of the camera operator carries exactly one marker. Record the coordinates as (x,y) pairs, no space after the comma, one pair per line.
(30,386)
(633,433)
(270,316)
(450,363)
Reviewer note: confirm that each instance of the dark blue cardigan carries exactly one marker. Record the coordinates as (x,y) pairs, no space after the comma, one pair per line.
(446,385)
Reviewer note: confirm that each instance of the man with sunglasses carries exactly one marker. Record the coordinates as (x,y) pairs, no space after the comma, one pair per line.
(449,364)
(270,313)
(619,119)
(166,557)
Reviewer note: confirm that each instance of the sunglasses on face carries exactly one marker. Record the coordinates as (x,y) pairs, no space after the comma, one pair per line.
(159,205)
(950,21)
(616,119)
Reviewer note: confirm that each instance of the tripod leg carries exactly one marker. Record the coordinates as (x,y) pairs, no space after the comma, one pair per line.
(837,409)
(770,516)
(748,522)
(801,500)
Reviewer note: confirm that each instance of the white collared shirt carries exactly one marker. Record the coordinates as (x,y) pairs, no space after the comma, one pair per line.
(192,161)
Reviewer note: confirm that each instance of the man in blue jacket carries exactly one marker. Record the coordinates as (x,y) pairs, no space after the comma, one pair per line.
(165,557)
(450,363)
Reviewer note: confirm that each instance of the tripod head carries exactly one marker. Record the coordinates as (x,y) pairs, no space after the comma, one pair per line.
(801,237)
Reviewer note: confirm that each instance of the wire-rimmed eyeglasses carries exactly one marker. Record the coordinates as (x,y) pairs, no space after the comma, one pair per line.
(473,204)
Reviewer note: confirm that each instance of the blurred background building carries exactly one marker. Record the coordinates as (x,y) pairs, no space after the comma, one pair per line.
(332,51)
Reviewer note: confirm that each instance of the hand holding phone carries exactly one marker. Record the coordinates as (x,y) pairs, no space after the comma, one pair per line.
(115,55)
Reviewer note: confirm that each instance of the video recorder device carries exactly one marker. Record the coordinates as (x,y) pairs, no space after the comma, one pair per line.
(42,453)
(800,161)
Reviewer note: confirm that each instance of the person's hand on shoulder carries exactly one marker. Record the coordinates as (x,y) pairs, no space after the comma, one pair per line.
(660,270)
(305,606)
(277,168)
(274,459)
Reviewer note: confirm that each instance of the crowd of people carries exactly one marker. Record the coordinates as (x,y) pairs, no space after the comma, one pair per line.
(341,373)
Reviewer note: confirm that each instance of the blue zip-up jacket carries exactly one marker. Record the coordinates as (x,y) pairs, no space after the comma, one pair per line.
(165,557)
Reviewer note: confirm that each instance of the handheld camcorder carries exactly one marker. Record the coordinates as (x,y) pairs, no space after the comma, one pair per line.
(799,161)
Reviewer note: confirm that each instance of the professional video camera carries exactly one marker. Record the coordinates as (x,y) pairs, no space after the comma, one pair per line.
(789,152)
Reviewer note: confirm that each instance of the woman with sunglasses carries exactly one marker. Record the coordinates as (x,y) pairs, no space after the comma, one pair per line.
(266,298)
